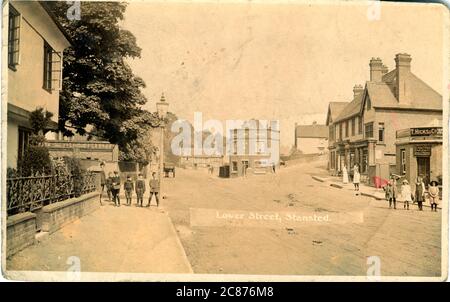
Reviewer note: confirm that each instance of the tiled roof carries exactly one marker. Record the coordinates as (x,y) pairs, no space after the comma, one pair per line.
(313,131)
(352,108)
(334,109)
(422,96)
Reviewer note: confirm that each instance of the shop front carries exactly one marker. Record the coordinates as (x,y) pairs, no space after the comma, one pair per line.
(419,153)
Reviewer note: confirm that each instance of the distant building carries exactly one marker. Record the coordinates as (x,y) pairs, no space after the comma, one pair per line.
(364,132)
(311,139)
(36,42)
(266,142)
(201,161)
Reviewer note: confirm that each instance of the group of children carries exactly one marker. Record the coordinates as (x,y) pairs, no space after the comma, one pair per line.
(113,186)
(420,193)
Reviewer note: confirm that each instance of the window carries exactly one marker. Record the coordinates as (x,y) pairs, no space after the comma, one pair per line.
(381,132)
(13,37)
(346,128)
(24,141)
(403,161)
(360,125)
(340,131)
(369,130)
(331,134)
(52,68)
(353,126)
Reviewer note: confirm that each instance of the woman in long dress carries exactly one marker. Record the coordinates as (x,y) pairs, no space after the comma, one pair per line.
(356,177)
(345,175)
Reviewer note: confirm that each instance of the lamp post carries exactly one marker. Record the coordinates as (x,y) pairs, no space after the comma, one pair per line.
(161,110)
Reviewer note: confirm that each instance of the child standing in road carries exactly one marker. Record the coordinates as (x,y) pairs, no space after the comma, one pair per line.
(128,187)
(433,193)
(140,189)
(154,189)
(406,194)
(391,193)
(419,195)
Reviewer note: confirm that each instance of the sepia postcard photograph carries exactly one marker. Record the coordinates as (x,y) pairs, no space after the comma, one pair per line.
(224,141)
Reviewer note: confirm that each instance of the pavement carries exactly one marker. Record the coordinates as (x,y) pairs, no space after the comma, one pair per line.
(111,239)
(364,190)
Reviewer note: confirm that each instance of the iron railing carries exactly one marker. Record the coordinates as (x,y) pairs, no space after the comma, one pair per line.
(34,192)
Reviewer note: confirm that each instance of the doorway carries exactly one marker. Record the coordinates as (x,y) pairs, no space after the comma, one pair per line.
(423,169)
(244,167)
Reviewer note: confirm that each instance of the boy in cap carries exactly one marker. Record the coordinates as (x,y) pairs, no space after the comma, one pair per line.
(116,188)
(140,189)
(154,189)
(128,187)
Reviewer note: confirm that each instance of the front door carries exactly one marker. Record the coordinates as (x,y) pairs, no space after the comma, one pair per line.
(423,169)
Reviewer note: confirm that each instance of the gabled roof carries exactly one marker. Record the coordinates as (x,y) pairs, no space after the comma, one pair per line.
(311,131)
(422,96)
(334,109)
(352,108)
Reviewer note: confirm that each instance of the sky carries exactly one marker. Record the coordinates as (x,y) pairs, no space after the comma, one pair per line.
(276,61)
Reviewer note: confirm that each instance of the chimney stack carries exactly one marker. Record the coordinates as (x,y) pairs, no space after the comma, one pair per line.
(376,67)
(403,69)
(357,89)
(384,69)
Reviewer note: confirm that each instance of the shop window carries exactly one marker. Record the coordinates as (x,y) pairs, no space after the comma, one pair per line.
(381,132)
(368,130)
(403,161)
(13,37)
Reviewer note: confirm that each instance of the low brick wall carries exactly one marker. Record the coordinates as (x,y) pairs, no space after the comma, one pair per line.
(55,216)
(20,232)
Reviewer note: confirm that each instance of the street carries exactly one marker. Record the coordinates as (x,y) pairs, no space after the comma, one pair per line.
(131,239)
(407,242)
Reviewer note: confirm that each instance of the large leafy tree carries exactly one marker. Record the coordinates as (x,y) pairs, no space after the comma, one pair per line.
(99,88)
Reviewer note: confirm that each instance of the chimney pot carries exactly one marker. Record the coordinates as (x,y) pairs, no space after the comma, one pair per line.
(376,67)
(357,89)
(403,69)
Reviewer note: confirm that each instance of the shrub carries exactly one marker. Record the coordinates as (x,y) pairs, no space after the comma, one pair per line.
(74,167)
(36,159)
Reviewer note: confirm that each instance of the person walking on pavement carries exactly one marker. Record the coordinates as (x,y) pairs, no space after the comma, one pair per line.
(345,175)
(128,186)
(391,193)
(116,188)
(154,189)
(356,178)
(406,194)
(102,180)
(433,193)
(140,190)
(419,195)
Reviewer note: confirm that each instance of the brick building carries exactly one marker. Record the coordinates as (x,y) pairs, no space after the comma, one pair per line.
(364,132)
(255,148)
